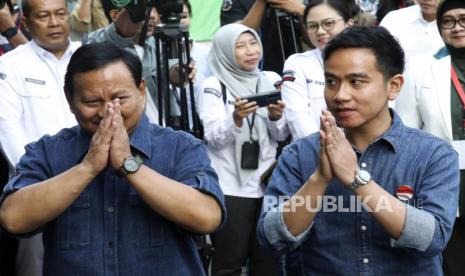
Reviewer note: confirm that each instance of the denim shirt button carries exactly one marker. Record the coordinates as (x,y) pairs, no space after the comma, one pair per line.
(364,165)
(365,261)
(363,228)
(110,209)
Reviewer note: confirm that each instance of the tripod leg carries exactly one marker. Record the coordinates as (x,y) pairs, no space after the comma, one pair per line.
(280,34)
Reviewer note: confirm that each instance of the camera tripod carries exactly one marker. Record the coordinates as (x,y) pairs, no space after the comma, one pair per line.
(172,41)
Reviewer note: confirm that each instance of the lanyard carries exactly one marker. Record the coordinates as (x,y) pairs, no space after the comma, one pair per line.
(251,125)
(459,88)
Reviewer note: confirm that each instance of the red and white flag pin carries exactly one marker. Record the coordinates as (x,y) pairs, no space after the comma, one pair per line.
(404,192)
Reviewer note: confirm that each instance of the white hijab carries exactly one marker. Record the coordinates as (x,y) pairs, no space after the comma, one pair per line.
(240,83)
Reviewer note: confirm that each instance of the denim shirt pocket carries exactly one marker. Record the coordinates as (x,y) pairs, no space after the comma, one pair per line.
(73,226)
(147,227)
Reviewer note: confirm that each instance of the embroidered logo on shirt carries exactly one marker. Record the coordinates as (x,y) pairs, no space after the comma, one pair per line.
(404,192)
(317,82)
(213,92)
(2,76)
(40,82)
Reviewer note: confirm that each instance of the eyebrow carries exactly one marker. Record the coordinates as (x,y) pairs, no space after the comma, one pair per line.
(358,75)
(352,75)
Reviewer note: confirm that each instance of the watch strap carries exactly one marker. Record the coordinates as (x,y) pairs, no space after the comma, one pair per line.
(358,181)
(10,32)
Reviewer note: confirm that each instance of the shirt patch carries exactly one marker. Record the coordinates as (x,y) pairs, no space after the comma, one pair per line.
(288,76)
(2,76)
(213,92)
(289,73)
(278,84)
(40,82)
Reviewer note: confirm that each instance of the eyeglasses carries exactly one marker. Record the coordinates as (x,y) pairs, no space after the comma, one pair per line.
(327,24)
(450,22)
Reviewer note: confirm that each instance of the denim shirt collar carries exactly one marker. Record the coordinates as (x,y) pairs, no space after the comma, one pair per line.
(139,139)
(393,135)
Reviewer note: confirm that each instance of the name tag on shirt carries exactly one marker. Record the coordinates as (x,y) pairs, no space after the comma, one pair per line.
(40,82)
(459,146)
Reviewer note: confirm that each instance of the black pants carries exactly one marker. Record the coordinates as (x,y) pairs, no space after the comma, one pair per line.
(236,242)
(453,255)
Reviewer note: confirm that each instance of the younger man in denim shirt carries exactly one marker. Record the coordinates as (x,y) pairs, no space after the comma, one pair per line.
(373,198)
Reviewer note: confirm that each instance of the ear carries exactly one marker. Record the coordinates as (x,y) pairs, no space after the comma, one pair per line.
(114,14)
(142,91)
(394,85)
(350,23)
(24,23)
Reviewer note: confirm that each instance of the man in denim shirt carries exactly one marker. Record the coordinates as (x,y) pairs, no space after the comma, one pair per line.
(115,195)
(405,180)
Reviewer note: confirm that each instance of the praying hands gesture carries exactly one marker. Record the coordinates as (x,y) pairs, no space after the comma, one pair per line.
(110,143)
(337,157)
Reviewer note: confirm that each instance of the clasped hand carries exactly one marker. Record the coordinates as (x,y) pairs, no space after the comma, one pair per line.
(337,157)
(110,143)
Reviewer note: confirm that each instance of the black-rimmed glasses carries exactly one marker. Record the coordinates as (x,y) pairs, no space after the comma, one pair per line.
(327,24)
(450,22)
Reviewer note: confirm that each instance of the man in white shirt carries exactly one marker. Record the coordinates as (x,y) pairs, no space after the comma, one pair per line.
(415,28)
(31,96)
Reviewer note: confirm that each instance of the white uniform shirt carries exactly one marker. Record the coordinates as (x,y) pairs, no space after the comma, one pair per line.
(221,132)
(415,34)
(303,92)
(32,100)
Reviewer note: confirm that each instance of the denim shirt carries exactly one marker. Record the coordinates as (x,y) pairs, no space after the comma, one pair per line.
(109,229)
(352,242)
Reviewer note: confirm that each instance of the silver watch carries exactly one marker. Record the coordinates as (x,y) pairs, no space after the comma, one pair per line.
(362,177)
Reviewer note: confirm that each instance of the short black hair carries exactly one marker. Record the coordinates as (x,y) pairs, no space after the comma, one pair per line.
(342,7)
(26,7)
(96,56)
(390,57)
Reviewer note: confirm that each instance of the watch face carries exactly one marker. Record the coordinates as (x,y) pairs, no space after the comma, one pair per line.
(131,165)
(364,175)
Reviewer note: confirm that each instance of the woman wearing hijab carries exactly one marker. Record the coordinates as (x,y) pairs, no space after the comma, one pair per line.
(434,99)
(241,140)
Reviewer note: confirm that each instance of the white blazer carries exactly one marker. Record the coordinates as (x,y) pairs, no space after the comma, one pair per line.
(424,101)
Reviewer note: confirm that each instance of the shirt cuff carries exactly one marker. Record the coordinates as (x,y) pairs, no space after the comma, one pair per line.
(277,233)
(418,230)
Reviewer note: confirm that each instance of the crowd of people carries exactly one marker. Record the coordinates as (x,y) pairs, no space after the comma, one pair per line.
(358,169)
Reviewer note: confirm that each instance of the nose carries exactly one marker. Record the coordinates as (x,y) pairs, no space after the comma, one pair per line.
(320,30)
(342,94)
(53,20)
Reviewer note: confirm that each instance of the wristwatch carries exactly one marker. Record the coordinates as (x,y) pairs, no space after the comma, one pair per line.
(130,165)
(362,177)
(10,32)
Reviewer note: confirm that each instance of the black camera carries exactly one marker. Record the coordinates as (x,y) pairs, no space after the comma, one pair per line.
(169,11)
